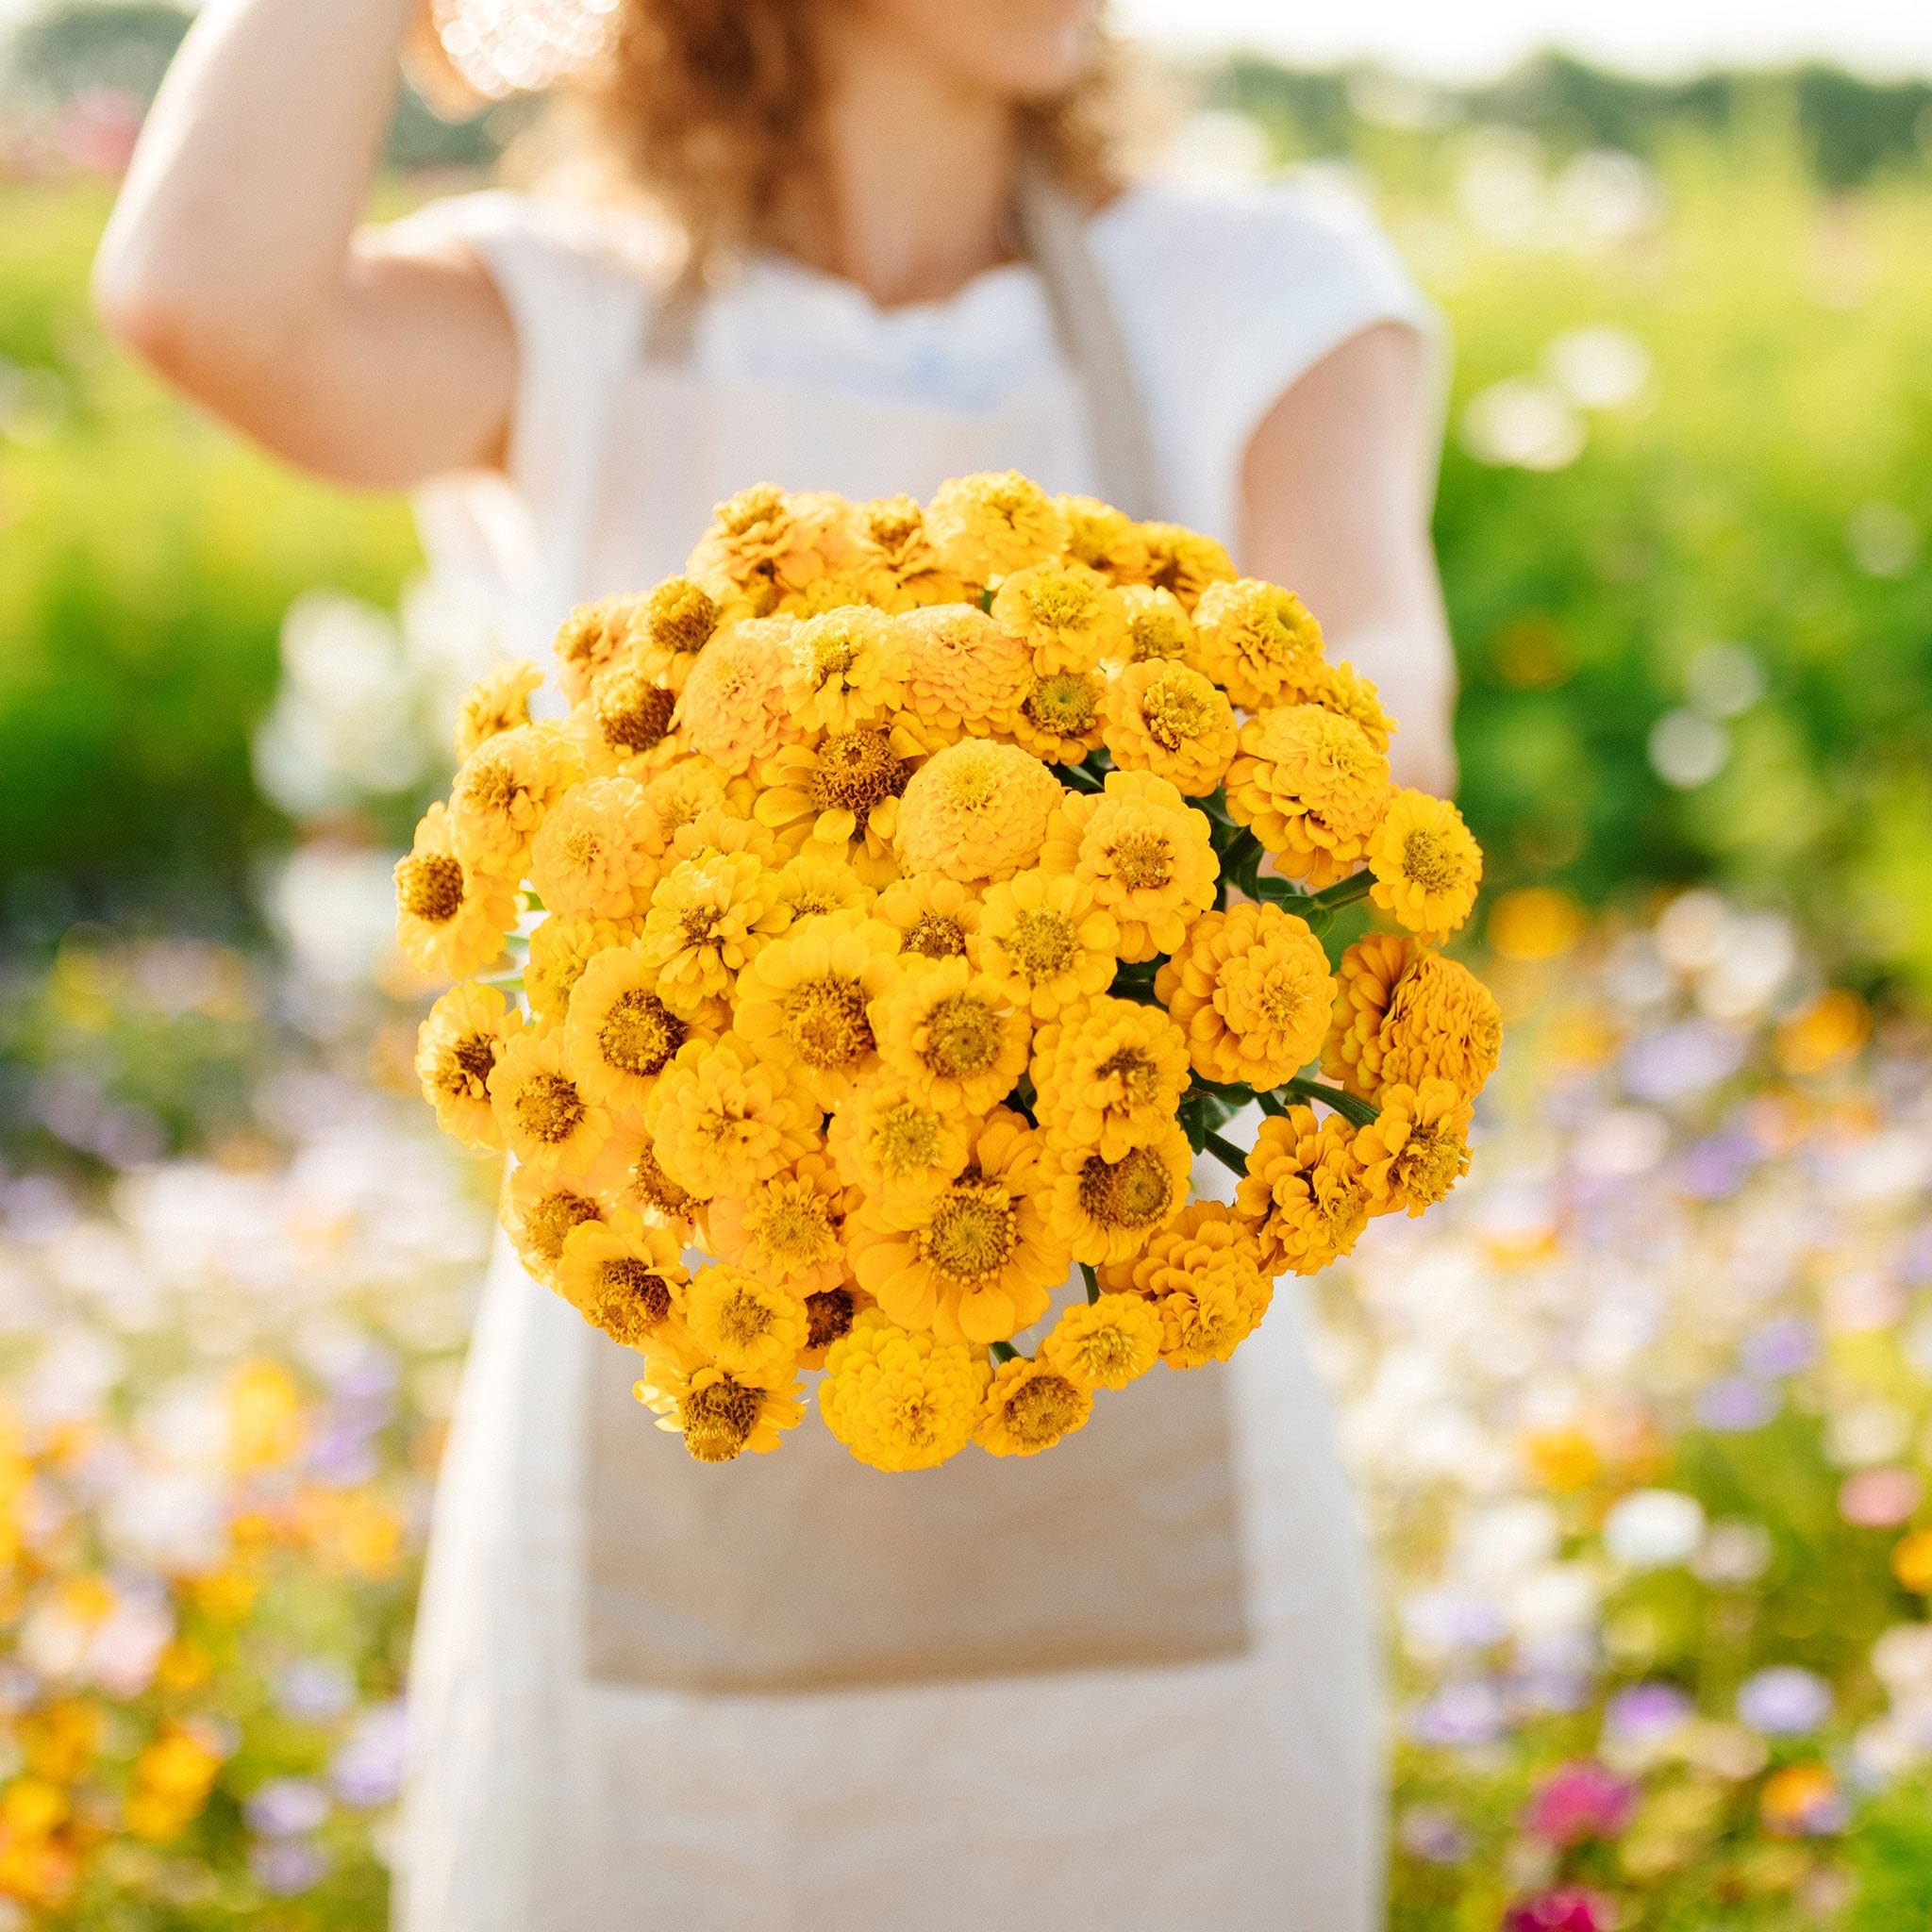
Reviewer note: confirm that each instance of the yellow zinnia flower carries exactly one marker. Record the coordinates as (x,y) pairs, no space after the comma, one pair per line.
(1427,866)
(503,788)
(1302,1198)
(976,1262)
(1260,643)
(1416,1149)
(1146,851)
(627,1277)
(685,790)
(545,1117)
(629,1175)
(499,700)
(788,1228)
(815,883)
(1068,616)
(559,951)
(1404,1013)
(751,1327)
(937,918)
(455,1053)
(804,1002)
(669,628)
(1311,787)
(977,810)
(955,1038)
(1110,1076)
(1028,1407)
(984,527)
(764,542)
(965,677)
(718,1416)
(896,527)
(1059,720)
(899,1399)
(1158,630)
(734,709)
(592,637)
(1253,992)
(714,833)
(588,860)
(1107,1210)
(537,1212)
(1045,941)
(1184,562)
(896,1151)
(619,1035)
(1104,539)
(707,922)
(1202,1277)
(1167,718)
(844,668)
(721,1118)
(843,795)
(1104,1343)
(625,724)
(1346,691)
(451,918)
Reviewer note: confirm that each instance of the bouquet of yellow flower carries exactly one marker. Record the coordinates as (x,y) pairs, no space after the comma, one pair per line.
(916,891)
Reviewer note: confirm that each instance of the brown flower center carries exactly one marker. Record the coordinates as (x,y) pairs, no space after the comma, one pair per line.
(855,771)
(550,1220)
(631,1301)
(973,1230)
(640,1033)
(1042,1409)
(935,936)
(632,714)
(549,1109)
(429,886)
(824,1021)
(718,1419)
(1133,1191)
(828,1315)
(652,1187)
(470,1063)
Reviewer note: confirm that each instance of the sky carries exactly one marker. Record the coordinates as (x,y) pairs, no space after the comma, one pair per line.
(1442,40)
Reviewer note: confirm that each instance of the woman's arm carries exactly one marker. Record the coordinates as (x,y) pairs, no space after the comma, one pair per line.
(1336,489)
(232,263)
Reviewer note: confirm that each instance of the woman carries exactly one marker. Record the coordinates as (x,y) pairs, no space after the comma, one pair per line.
(1130,1685)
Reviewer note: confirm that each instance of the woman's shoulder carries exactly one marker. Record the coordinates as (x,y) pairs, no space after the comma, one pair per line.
(523,235)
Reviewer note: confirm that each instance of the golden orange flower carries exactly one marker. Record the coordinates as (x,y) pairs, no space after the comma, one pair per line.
(844,668)
(896,527)
(841,795)
(627,1279)
(1202,1274)
(1184,562)
(1259,642)
(1303,1197)
(1104,1343)
(1404,1014)
(751,1326)
(1110,1076)
(542,1114)
(503,788)
(685,790)
(1165,717)
(629,1175)
(734,709)
(707,922)
(764,543)
(1427,865)
(899,1399)
(937,918)
(897,1151)
(451,919)
(499,700)
(1059,719)
(786,1228)
(1068,616)
(718,1416)
(1346,691)
(1158,630)
(619,1035)
(721,1118)
(1029,1406)
(983,527)
(977,810)
(455,1053)
(590,857)
(955,1038)
(1311,787)
(1107,1210)
(1253,992)
(1046,941)
(965,677)
(804,1002)
(1416,1149)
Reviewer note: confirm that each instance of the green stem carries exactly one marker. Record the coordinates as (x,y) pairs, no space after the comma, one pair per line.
(1271,1103)
(1345,892)
(1358,1111)
(1093,1281)
(1225,1151)
(1001,1351)
(1077,778)
(508,982)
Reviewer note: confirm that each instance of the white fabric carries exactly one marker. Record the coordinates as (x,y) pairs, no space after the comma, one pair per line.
(1243,1792)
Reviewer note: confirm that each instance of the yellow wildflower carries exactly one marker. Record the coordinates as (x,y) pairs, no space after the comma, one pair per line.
(1110,1076)
(499,700)
(625,724)
(764,543)
(1104,539)
(1059,720)
(977,810)
(669,628)
(1147,853)
(896,1151)
(629,1175)
(753,1328)
(1104,1343)
(559,951)
(734,709)
(899,1399)
(1165,717)
(545,1117)
(1253,992)
(984,527)
(786,1228)
(503,788)
(1259,642)
(707,922)
(718,831)
(1427,865)
(1345,690)
(815,883)
(1046,942)
(588,858)
(592,637)
(455,1053)
(1417,1148)
(804,1003)
(1068,616)
(451,918)
(1158,630)
(537,1212)
(718,1416)
(1107,1210)
(841,794)
(721,1118)
(896,528)
(1184,562)
(619,1035)
(844,668)
(1404,1013)
(627,1279)
(976,1262)
(1028,1407)
(954,1037)
(685,791)
(1311,787)
(1302,1198)
(965,677)
(1203,1277)
(937,918)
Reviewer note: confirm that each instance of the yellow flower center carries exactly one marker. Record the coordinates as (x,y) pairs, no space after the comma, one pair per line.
(812,900)
(1134,1192)
(467,1065)
(1041,1410)
(640,1033)
(1428,861)
(905,1141)
(583,848)
(1429,1164)
(718,1418)
(631,1300)
(552,1218)
(936,937)
(1063,704)
(679,616)
(742,1318)
(429,885)
(973,1231)
(1142,862)
(1137,1076)
(829,1317)
(794,1226)
(1157,633)
(1060,601)
(492,783)
(824,1021)
(1175,711)
(962,1037)
(549,1109)
(744,512)
(1042,944)
(856,770)
(1107,1354)
(632,714)
(893,521)
(831,653)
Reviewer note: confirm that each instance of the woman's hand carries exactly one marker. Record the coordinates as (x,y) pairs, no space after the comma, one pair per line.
(233,263)
(1336,489)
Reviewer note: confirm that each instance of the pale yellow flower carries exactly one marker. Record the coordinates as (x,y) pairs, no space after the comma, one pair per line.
(734,709)
(1104,539)
(977,810)
(753,1328)
(897,525)
(669,628)
(937,918)
(841,795)
(965,677)
(786,1228)
(593,635)
(1068,616)
(619,1035)
(625,724)
(1184,562)
(1346,691)
(719,1417)
(559,951)
(707,922)
(499,700)
(627,1277)
(844,668)
(1059,720)
(537,1211)
(895,1151)
(986,527)
(503,791)
(1158,630)
(815,883)
(590,859)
